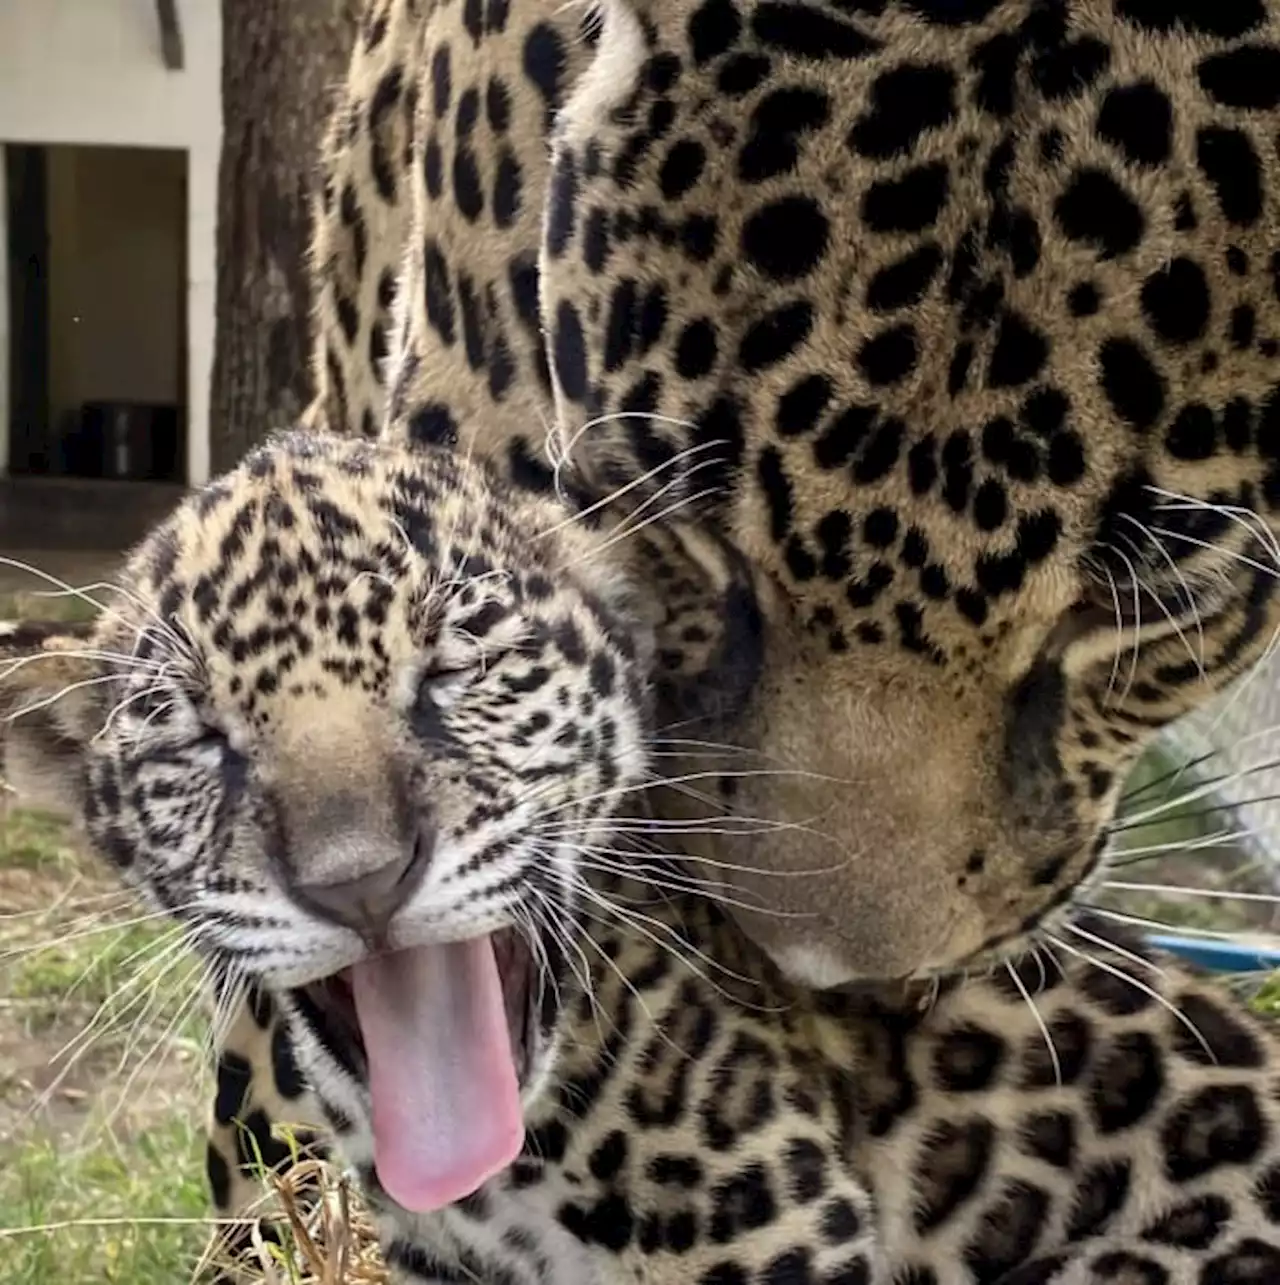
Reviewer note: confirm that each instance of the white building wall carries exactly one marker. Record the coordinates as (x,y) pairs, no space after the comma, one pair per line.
(91,71)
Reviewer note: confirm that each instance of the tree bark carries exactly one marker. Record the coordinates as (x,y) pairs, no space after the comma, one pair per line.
(281,63)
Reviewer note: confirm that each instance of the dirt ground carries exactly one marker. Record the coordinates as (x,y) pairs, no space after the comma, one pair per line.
(55,993)
(103,1083)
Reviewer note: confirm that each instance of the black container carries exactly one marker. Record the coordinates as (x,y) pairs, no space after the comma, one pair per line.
(125,441)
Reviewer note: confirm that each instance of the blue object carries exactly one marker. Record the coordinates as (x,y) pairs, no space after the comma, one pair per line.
(1219,956)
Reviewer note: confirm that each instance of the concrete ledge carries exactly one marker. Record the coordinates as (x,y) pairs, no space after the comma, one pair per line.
(80,513)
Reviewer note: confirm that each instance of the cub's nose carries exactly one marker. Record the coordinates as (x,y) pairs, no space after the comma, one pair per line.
(368,903)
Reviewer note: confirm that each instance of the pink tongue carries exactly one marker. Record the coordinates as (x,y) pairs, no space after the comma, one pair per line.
(446,1105)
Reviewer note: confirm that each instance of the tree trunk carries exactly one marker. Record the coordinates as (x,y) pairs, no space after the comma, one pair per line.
(281,62)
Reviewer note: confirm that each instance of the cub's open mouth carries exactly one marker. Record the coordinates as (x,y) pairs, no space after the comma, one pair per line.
(447,1034)
(519,977)
(334,997)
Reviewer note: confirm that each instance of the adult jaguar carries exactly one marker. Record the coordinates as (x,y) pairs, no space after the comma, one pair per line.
(973,312)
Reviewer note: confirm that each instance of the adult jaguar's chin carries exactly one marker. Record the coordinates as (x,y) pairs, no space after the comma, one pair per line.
(450,1039)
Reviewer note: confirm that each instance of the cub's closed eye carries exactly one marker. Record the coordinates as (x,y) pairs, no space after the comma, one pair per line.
(443,675)
(207,755)
(441,686)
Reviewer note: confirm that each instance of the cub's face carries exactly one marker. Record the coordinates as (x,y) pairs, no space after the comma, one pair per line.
(354,721)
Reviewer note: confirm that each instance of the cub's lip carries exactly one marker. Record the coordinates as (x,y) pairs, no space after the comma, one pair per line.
(524,991)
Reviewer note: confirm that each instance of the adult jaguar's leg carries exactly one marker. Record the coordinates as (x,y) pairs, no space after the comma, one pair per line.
(362,213)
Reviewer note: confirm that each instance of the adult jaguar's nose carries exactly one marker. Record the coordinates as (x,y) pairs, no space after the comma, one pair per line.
(367,904)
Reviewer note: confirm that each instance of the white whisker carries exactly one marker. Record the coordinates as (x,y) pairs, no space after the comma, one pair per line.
(1177,890)
(1139,985)
(1040,1022)
(1137,622)
(1132,956)
(1140,921)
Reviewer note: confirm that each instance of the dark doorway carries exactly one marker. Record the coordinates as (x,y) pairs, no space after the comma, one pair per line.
(26,182)
(97,299)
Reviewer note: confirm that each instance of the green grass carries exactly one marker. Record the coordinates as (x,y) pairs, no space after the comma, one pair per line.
(104,1181)
(42,606)
(35,841)
(1266,1001)
(121,1186)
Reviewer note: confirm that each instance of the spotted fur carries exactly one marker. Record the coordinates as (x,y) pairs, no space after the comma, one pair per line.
(731,1127)
(951,331)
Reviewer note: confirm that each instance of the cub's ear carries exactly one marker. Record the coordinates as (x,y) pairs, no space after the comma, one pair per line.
(46,711)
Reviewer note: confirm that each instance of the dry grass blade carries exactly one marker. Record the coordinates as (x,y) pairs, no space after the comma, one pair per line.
(327,1237)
